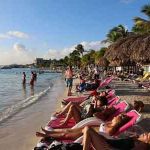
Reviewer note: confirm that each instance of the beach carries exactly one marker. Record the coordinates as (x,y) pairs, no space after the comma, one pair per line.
(128,91)
(21,134)
(18,132)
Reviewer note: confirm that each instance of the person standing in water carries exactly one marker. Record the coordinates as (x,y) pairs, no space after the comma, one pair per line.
(23,78)
(32,78)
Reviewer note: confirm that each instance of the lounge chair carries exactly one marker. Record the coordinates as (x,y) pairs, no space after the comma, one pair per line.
(135,118)
(132,123)
(120,107)
(102,84)
(93,121)
(111,94)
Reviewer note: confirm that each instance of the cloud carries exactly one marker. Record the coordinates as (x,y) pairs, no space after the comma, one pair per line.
(4,36)
(19,47)
(18,34)
(14,34)
(127,1)
(57,54)
(95,45)
(19,54)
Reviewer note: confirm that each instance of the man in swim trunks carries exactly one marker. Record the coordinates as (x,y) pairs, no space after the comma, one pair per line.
(69,79)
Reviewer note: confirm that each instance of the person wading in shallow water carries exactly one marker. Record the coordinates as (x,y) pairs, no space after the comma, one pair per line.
(32,78)
(69,79)
(23,78)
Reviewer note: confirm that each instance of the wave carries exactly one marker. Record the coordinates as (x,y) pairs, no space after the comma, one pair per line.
(9,112)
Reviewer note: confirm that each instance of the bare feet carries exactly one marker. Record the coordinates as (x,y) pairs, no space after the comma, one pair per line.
(39,134)
(45,131)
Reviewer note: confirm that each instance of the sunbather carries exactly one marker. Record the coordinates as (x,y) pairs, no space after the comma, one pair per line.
(79,113)
(81,105)
(99,142)
(109,128)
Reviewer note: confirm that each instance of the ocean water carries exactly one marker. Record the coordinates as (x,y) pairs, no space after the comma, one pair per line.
(14,97)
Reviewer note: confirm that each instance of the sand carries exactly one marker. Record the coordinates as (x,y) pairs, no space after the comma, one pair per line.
(23,137)
(127,90)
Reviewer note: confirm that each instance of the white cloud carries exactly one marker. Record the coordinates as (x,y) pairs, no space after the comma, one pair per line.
(57,54)
(17,34)
(19,54)
(95,45)
(4,36)
(14,34)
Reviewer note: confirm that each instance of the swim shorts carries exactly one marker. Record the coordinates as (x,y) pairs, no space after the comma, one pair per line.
(69,82)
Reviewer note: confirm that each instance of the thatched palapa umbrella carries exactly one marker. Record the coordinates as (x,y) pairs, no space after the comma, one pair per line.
(134,48)
(103,62)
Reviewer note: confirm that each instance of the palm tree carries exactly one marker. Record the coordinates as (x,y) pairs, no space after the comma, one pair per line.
(116,33)
(75,58)
(99,54)
(146,10)
(85,60)
(142,26)
(66,60)
(80,48)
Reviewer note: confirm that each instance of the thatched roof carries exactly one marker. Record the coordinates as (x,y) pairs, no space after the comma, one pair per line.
(103,62)
(134,48)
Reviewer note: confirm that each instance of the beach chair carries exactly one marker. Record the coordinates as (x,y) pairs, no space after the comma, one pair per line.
(93,121)
(111,94)
(55,123)
(114,100)
(105,82)
(75,99)
(135,118)
(102,84)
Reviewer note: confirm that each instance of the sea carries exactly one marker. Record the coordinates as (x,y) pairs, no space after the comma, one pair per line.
(24,108)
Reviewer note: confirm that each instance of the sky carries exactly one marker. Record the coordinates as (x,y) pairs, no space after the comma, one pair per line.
(50,29)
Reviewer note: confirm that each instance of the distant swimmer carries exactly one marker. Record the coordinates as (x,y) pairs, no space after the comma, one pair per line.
(23,78)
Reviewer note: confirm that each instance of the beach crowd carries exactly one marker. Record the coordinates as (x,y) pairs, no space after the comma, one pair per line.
(94,116)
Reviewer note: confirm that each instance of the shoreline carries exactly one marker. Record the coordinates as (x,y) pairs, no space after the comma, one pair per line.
(19,131)
(42,110)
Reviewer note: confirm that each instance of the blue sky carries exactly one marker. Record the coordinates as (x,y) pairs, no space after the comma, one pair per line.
(51,28)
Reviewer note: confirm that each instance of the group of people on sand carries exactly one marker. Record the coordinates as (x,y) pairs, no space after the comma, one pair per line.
(90,135)
(83,86)
(98,136)
(32,80)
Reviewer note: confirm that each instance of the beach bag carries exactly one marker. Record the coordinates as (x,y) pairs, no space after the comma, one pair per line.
(69,146)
